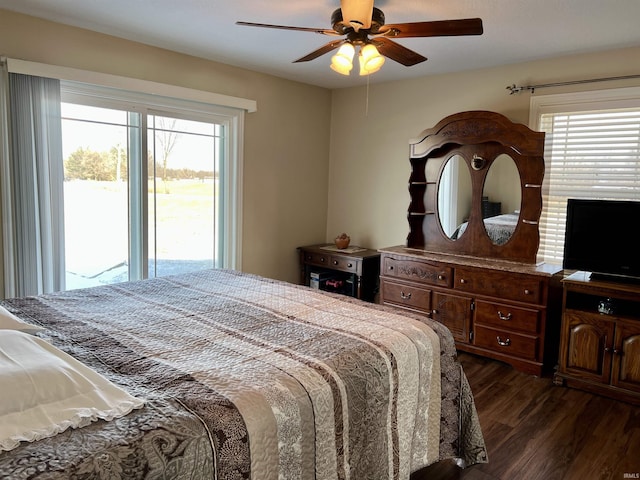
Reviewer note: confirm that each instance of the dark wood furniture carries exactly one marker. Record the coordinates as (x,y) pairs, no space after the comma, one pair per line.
(478,277)
(480,139)
(355,270)
(493,308)
(600,352)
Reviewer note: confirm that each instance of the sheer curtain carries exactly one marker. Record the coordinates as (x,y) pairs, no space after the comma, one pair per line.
(31,182)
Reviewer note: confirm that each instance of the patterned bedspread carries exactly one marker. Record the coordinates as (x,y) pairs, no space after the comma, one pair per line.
(250,378)
(499,228)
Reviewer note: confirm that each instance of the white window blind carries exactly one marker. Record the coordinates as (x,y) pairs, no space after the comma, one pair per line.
(592,150)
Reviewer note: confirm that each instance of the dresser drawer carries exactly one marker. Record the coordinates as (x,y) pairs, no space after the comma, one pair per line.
(335,262)
(506,342)
(405,295)
(345,264)
(320,259)
(423,272)
(507,317)
(510,286)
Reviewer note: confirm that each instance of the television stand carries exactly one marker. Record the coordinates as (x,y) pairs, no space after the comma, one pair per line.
(600,337)
(604,277)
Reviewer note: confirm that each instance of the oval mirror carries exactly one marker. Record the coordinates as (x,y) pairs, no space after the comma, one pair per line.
(501,198)
(454,196)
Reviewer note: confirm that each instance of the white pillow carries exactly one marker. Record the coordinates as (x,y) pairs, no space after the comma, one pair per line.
(45,391)
(8,321)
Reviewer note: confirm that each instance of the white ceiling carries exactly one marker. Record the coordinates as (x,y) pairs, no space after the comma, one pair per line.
(514,31)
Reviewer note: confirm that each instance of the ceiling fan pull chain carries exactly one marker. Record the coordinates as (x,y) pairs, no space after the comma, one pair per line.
(366,107)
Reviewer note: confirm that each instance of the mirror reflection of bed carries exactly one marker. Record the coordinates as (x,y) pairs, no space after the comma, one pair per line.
(499,228)
(501,198)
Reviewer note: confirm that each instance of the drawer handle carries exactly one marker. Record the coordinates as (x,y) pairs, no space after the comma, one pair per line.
(335,262)
(463,281)
(441,277)
(504,317)
(322,259)
(503,343)
(527,291)
(349,265)
(390,267)
(405,296)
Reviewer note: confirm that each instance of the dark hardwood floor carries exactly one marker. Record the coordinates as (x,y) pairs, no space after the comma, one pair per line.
(537,431)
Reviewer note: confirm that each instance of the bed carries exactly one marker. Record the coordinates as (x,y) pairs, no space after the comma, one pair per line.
(499,228)
(243,377)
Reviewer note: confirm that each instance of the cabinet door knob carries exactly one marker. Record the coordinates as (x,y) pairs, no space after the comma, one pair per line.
(504,317)
(405,296)
(504,343)
(434,312)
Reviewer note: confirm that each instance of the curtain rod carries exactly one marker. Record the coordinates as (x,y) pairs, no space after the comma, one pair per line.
(516,89)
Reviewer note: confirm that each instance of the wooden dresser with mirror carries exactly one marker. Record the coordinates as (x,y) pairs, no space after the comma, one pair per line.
(470,257)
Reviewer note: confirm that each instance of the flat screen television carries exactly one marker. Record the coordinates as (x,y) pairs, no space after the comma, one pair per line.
(601,238)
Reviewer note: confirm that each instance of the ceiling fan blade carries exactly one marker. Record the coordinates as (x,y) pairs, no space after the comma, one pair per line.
(322,31)
(320,51)
(357,13)
(397,52)
(441,28)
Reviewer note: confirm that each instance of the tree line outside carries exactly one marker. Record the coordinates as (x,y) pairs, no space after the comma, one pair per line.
(87,164)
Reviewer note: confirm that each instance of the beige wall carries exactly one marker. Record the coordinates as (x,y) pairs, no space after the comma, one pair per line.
(369,167)
(309,177)
(286,148)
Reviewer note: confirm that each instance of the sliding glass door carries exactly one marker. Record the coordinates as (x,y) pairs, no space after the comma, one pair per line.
(183,194)
(132,215)
(96,192)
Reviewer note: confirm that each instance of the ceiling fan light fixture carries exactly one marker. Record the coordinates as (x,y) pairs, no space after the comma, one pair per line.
(357,13)
(370,59)
(342,62)
(341,69)
(364,71)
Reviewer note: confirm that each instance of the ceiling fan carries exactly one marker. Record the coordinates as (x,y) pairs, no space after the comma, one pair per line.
(363,25)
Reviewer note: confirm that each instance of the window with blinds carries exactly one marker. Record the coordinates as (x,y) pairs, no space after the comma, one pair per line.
(589,153)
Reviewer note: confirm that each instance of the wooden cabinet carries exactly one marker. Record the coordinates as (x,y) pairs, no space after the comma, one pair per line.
(503,310)
(453,311)
(353,271)
(600,352)
(478,276)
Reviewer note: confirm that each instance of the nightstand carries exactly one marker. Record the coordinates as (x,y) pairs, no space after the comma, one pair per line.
(352,271)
